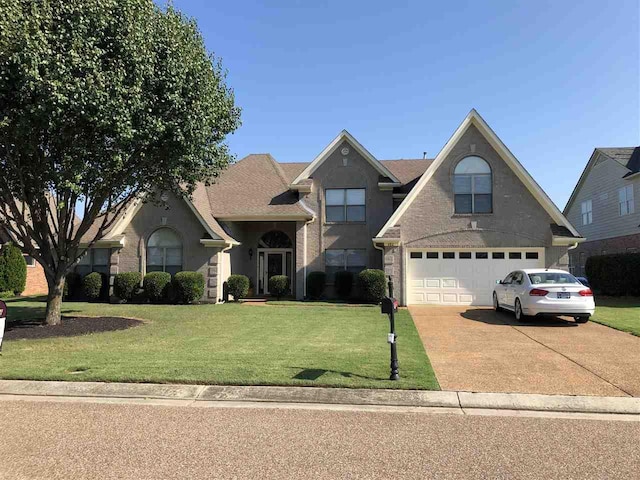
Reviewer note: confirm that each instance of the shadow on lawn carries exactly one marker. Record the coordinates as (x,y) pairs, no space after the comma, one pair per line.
(507,318)
(617,302)
(315,373)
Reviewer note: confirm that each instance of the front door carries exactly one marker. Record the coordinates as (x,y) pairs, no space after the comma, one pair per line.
(272,263)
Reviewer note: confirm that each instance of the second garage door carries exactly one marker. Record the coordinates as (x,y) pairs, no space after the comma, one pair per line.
(463,277)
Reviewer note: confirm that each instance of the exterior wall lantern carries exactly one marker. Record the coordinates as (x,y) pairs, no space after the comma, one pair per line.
(250,253)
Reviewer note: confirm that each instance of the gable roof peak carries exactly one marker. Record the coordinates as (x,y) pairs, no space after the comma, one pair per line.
(335,143)
(474,118)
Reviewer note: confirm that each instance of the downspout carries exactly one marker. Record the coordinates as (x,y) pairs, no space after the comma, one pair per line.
(304,246)
(304,256)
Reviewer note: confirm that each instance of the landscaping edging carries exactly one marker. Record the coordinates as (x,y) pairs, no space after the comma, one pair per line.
(319,395)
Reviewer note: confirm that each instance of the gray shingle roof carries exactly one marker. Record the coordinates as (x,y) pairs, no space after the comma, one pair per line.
(626,156)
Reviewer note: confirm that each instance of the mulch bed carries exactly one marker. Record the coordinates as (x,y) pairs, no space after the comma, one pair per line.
(70,327)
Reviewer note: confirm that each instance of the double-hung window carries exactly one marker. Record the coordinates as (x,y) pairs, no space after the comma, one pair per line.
(354,260)
(472,186)
(345,204)
(625,200)
(586,208)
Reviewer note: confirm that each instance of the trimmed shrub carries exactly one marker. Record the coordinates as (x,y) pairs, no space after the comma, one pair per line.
(189,286)
(92,285)
(316,282)
(279,286)
(372,285)
(615,275)
(125,285)
(238,286)
(72,286)
(6,295)
(13,269)
(156,286)
(343,284)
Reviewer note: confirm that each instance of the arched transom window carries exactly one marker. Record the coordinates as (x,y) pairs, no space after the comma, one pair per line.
(164,252)
(472,186)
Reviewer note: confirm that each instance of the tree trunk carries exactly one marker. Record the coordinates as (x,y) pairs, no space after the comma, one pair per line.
(54,300)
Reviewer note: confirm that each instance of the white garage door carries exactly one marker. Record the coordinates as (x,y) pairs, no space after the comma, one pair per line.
(454,277)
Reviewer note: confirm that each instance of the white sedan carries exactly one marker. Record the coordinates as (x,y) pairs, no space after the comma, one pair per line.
(544,292)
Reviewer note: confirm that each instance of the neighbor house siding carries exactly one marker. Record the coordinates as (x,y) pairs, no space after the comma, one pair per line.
(601,186)
(36,281)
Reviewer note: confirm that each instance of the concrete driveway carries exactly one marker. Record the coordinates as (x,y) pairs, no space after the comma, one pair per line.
(476,349)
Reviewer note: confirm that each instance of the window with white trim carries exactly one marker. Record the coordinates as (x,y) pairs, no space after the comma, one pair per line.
(29,260)
(354,260)
(164,252)
(625,200)
(345,204)
(586,208)
(472,186)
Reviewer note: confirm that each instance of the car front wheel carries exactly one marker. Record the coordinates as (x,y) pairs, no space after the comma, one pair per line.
(581,319)
(496,305)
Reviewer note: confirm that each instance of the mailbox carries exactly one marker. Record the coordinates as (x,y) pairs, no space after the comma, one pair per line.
(3,320)
(389,305)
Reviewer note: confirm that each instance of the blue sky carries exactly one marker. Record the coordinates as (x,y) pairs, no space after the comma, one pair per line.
(554,79)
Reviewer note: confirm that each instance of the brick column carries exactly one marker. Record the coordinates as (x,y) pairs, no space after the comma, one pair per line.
(211,278)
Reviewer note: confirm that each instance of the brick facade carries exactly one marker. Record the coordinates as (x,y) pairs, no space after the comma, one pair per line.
(36,281)
(578,256)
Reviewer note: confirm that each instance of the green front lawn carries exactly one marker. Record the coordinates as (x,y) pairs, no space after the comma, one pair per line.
(622,313)
(338,346)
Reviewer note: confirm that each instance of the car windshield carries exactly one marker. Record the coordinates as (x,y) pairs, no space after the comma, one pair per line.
(552,277)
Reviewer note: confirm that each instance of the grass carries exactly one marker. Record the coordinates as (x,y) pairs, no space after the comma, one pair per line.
(228,344)
(621,313)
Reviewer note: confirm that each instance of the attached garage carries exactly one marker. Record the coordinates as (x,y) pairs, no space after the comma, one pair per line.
(463,277)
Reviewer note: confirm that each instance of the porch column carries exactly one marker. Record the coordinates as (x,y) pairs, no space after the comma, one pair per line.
(301,260)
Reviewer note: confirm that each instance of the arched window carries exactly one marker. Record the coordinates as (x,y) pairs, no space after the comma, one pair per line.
(275,239)
(164,252)
(472,186)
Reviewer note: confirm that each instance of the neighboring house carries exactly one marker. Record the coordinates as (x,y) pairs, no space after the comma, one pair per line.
(36,281)
(603,205)
(445,229)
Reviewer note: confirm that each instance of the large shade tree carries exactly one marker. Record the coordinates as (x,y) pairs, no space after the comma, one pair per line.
(101,102)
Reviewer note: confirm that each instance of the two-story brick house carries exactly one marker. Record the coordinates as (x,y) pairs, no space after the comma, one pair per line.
(603,205)
(446,229)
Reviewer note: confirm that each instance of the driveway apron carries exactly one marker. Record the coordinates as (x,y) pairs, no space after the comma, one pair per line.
(476,349)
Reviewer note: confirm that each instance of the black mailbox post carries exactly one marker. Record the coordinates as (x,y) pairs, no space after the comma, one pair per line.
(389,306)
(3,321)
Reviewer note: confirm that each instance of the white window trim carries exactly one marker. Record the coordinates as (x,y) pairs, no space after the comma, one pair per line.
(586,212)
(626,201)
(345,266)
(33,260)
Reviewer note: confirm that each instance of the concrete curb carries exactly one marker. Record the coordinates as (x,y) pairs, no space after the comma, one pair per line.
(550,403)
(331,396)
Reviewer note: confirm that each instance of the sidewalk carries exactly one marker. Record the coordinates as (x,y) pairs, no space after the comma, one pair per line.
(324,396)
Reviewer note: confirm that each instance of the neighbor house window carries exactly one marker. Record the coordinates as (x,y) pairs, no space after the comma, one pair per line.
(30,261)
(353,260)
(345,204)
(164,252)
(94,260)
(587,212)
(472,186)
(625,200)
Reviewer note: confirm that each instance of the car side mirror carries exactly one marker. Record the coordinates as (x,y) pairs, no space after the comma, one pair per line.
(498,282)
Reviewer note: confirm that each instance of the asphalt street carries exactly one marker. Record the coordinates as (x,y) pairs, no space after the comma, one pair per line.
(51,439)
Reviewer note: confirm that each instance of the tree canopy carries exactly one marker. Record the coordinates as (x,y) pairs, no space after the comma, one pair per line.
(101,101)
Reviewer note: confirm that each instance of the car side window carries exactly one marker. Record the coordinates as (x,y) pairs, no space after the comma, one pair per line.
(517,278)
(507,279)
